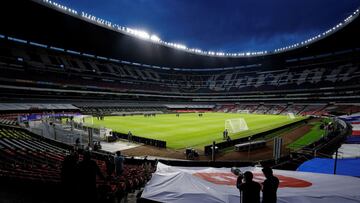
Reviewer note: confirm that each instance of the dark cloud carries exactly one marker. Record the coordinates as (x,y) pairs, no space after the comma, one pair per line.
(224,25)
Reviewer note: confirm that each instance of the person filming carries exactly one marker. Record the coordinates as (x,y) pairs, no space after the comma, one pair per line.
(249,190)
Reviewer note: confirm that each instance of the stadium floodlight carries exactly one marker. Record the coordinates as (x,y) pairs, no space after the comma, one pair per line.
(143,34)
(139,33)
(180,46)
(155,38)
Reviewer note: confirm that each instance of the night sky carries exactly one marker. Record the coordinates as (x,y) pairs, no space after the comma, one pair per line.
(223,25)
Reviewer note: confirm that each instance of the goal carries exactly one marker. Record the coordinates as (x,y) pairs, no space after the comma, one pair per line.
(243,111)
(236,125)
(105,133)
(291,116)
(84,119)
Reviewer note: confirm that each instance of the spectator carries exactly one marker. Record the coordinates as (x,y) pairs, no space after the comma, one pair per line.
(88,170)
(249,190)
(96,147)
(119,163)
(270,186)
(69,173)
(77,143)
(225,134)
(129,135)
(110,165)
(88,147)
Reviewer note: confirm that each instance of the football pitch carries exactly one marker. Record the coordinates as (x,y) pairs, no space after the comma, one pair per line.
(190,130)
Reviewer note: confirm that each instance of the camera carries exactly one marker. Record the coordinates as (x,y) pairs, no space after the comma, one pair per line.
(236,171)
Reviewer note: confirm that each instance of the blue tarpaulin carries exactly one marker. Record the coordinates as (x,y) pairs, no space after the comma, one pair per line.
(350,167)
(351,118)
(353,140)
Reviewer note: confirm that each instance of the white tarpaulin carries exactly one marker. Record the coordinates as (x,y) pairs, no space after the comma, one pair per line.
(202,184)
(355,127)
(348,151)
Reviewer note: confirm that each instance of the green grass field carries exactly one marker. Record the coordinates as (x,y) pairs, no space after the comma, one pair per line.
(312,136)
(189,130)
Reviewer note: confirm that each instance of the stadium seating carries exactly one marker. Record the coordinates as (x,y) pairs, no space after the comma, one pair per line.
(7,121)
(121,110)
(24,157)
(64,71)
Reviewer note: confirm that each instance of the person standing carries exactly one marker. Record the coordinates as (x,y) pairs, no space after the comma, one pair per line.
(110,165)
(77,143)
(249,189)
(68,174)
(225,134)
(129,136)
(88,170)
(270,186)
(119,163)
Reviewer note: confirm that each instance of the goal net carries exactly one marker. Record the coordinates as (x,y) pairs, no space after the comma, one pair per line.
(105,132)
(236,125)
(84,119)
(243,111)
(291,116)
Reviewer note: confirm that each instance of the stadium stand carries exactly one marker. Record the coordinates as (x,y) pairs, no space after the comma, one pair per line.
(66,69)
(6,121)
(26,158)
(289,79)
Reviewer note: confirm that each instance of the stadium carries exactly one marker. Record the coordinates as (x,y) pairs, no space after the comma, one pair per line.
(180,116)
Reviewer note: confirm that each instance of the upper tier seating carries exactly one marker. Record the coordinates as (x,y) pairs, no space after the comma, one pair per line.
(120,110)
(36,66)
(298,109)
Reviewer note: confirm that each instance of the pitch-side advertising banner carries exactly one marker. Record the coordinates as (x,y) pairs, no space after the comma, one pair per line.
(202,184)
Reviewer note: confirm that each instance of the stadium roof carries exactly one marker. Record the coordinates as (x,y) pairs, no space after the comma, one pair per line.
(53,25)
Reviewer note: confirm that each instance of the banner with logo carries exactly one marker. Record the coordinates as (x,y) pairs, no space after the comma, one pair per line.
(201,184)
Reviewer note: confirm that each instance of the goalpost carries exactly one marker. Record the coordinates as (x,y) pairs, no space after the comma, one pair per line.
(236,125)
(84,119)
(291,116)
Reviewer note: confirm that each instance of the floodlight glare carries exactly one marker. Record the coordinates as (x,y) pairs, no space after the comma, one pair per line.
(143,34)
(155,38)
